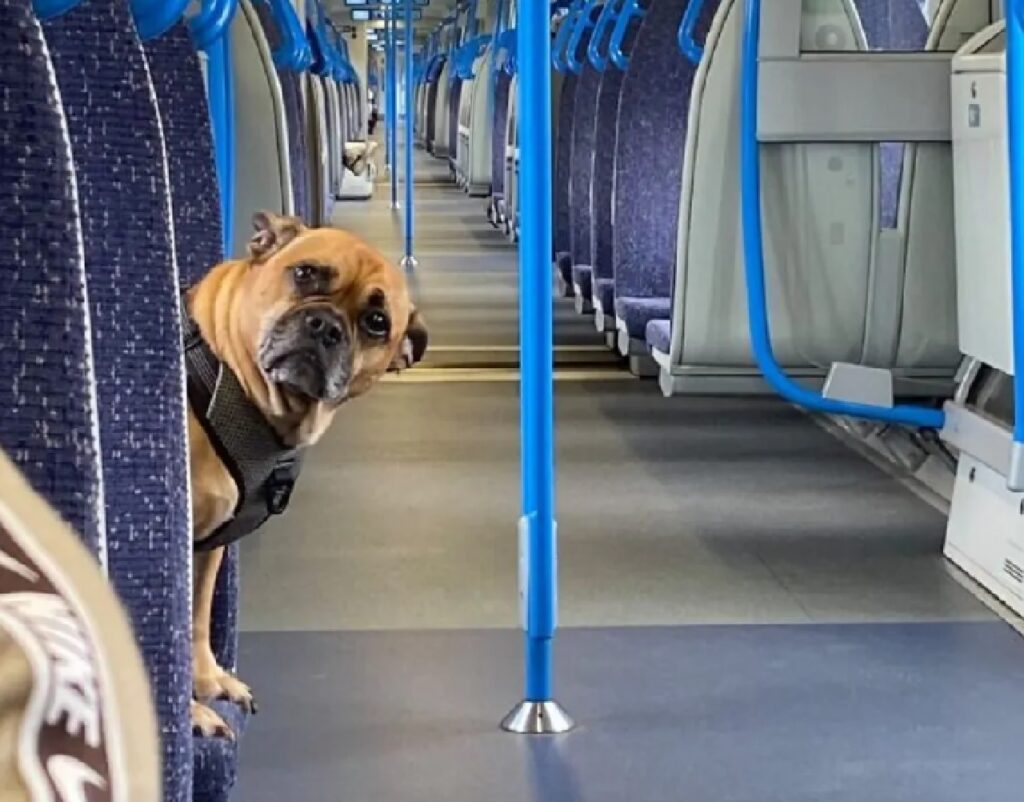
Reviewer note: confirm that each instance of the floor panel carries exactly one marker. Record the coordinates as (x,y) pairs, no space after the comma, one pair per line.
(887,713)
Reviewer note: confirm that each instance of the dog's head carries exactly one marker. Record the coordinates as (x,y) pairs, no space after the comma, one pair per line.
(323,314)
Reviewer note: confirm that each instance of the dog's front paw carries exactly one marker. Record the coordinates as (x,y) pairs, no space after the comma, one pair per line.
(219,684)
(207,723)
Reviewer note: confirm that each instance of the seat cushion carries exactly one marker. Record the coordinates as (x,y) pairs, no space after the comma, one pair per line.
(215,760)
(636,313)
(604,294)
(659,335)
(563,264)
(581,275)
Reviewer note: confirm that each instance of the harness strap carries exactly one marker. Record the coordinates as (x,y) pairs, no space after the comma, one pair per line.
(263,468)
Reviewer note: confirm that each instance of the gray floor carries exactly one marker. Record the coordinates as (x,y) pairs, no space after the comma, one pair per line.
(750,610)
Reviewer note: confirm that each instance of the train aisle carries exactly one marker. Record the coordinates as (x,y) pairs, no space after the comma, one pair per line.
(750,610)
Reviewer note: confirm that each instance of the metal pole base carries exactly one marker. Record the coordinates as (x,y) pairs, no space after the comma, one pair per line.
(537,718)
(410,263)
(396,206)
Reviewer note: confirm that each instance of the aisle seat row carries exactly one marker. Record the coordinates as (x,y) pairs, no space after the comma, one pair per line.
(112,201)
(647,227)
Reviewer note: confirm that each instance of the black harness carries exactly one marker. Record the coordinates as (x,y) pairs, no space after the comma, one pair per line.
(264,469)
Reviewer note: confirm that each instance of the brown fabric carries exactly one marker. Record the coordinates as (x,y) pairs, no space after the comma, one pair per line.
(76,718)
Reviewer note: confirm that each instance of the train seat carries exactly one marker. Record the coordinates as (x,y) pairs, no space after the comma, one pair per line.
(48,410)
(133,292)
(648,169)
(602,229)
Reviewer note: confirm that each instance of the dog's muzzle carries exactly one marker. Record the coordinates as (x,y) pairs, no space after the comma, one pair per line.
(309,351)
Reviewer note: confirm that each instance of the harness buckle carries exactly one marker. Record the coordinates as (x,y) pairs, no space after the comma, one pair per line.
(279,486)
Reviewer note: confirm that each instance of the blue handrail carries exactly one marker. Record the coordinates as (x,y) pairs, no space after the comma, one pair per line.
(1015,137)
(687,43)
(753,251)
(291,53)
(212,21)
(604,22)
(508,41)
(562,37)
(154,18)
(631,10)
(584,23)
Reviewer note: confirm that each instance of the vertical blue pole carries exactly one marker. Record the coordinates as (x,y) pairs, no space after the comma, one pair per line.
(537,358)
(410,103)
(1015,136)
(388,155)
(222,105)
(393,103)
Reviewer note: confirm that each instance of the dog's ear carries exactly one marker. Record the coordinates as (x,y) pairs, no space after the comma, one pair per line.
(414,344)
(272,233)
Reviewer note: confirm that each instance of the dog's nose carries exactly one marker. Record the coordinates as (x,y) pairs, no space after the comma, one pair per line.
(324,328)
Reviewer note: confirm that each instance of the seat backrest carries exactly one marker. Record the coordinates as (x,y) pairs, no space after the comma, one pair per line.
(133,290)
(454,103)
(198,236)
(261,127)
(438,75)
(820,211)
(566,118)
(498,133)
(480,122)
(652,123)
(291,98)
(606,121)
(581,153)
(48,411)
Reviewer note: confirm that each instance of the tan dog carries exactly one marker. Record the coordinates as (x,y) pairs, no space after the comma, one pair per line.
(310,320)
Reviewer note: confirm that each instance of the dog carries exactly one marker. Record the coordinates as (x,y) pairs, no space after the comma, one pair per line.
(312,318)
(356,156)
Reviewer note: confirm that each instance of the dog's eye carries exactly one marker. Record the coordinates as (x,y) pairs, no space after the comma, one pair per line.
(304,274)
(375,323)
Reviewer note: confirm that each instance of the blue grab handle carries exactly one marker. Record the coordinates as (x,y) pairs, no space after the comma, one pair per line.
(687,43)
(583,24)
(46,10)
(631,10)
(154,18)
(1015,132)
(753,253)
(562,37)
(607,19)
(211,21)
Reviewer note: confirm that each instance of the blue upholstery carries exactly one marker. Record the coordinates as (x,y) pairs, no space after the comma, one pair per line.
(562,167)
(133,300)
(48,422)
(892,25)
(636,313)
(659,335)
(501,100)
(653,111)
(581,276)
(581,160)
(603,291)
(602,232)
(295,117)
(198,237)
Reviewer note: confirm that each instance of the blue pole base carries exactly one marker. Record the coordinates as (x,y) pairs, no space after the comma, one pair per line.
(537,718)
(409,263)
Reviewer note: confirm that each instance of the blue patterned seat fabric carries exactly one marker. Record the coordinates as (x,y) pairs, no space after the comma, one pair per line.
(48,416)
(648,173)
(892,25)
(502,83)
(198,236)
(602,232)
(291,95)
(581,163)
(132,284)
(562,167)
